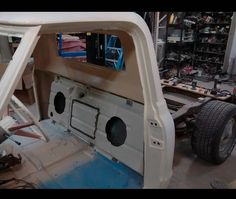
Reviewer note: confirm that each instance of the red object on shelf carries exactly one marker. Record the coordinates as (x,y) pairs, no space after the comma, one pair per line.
(73,45)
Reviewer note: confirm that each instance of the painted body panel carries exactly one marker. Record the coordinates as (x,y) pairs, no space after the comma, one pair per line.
(159,133)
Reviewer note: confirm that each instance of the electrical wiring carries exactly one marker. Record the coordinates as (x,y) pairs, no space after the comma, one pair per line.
(226,91)
(26,185)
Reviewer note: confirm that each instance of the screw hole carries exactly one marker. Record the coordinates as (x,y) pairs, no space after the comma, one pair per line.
(59,102)
(158,143)
(155,124)
(51,114)
(154,142)
(81,95)
(151,123)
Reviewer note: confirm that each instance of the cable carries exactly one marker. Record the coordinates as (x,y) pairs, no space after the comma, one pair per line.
(5,181)
(225,92)
(28,185)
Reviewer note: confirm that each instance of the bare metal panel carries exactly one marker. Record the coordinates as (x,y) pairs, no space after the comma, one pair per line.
(84,118)
(87,118)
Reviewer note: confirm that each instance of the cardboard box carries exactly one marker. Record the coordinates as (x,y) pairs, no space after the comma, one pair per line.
(2,69)
(27,79)
(26,82)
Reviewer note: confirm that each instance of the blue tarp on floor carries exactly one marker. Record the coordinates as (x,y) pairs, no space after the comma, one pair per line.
(98,173)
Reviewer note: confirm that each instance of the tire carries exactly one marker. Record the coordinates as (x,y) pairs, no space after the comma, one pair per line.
(214,136)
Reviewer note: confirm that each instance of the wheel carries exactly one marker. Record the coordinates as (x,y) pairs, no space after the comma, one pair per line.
(214,136)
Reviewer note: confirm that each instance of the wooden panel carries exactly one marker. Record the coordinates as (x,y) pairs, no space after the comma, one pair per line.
(124,83)
(43,82)
(188,88)
(2,69)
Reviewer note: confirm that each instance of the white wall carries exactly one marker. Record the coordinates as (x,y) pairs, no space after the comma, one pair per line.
(5,52)
(230,54)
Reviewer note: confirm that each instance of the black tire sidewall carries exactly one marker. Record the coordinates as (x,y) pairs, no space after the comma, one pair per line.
(217,138)
(209,127)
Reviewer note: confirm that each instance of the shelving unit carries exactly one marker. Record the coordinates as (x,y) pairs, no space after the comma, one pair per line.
(209,52)
(114,53)
(180,38)
(213,33)
(206,49)
(211,41)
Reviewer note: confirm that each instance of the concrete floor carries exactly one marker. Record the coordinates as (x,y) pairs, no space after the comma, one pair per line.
(190,172)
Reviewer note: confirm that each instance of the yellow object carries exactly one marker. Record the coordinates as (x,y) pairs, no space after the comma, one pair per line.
(171,18)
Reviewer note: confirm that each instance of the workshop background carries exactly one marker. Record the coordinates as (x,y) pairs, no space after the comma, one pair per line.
(193,46)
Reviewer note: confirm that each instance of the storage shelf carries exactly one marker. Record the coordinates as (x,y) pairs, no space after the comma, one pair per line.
(210,33)
(198,60)
(177,60)
(174,60)
(208,52)
(180,43)
(201,49)
(212,43)
(216,13)
(215,24)
(178,26)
